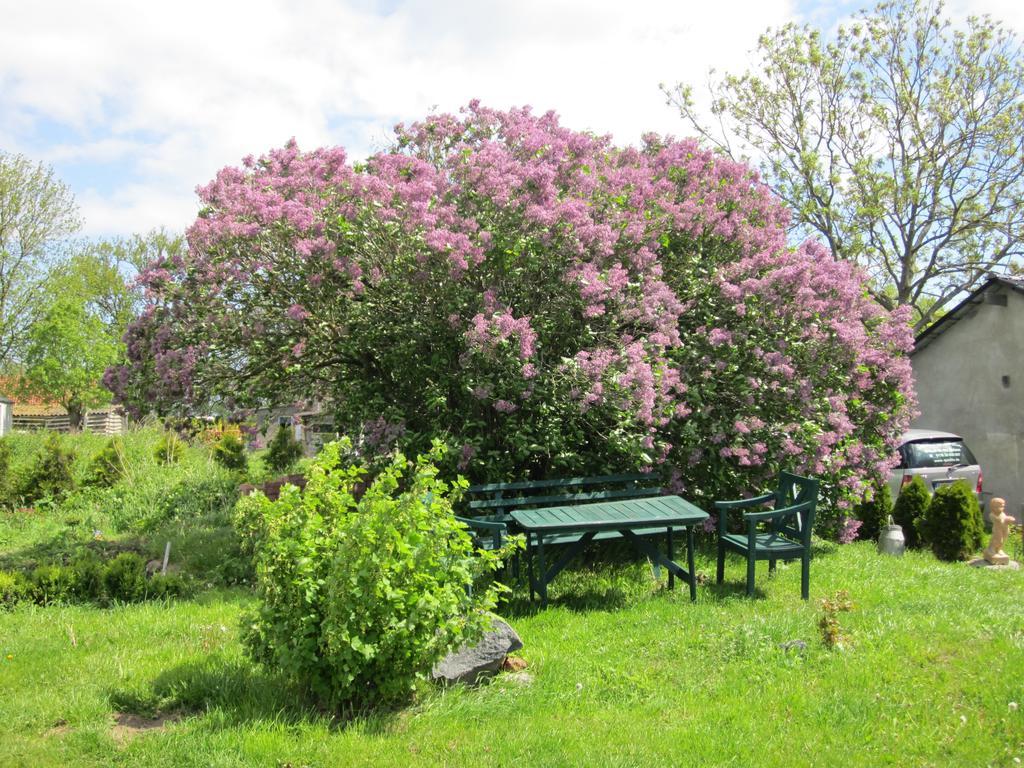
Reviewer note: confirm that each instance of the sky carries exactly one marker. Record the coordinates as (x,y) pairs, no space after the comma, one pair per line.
(134,103)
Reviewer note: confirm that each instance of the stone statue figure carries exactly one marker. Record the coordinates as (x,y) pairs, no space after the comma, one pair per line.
(1000,530)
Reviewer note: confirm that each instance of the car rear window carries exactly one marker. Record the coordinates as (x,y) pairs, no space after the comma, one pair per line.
(937,453)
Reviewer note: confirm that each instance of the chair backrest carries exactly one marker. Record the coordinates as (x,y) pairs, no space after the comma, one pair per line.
(497,501)
(797,491)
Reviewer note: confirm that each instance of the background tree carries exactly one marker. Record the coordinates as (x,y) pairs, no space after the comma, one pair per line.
(105,271)
(37,215)
(899,142)
(67,351)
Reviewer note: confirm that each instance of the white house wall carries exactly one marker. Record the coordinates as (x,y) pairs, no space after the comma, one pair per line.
(970,380)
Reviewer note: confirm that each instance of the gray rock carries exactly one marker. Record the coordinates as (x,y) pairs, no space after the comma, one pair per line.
(469,664)
(794,645)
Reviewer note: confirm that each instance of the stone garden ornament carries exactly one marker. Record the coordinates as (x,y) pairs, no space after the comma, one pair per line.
(1001,523)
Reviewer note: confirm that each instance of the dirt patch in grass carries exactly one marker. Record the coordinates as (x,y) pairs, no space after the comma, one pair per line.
(127,725)
(58,729)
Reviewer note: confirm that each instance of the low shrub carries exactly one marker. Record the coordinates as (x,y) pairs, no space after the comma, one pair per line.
(909,509)
(49,584)
(832,635)
(952,523)
(51,475)
(874,511)
(108,466)
(125,578)
(89,573)
(283,452)
(170,449)
(87,579)
(229,452)
(13,589)
(359,599)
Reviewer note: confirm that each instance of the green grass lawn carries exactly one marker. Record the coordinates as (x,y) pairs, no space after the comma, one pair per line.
(624,673)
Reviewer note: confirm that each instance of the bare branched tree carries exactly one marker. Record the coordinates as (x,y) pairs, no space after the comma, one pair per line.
(900,142)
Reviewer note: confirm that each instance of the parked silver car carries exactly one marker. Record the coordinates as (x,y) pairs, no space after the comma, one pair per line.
(939,458)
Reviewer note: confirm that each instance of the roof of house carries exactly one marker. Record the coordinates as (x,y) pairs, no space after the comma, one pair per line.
(12,389)
(36,409)
(959,312)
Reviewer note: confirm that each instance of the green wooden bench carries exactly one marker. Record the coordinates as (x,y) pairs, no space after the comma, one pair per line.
(488,508)
(574,512)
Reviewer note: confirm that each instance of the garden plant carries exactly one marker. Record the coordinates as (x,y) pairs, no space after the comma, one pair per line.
(362,596)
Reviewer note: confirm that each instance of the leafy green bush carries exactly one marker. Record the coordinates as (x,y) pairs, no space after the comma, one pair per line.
(874,511)
(361,598)
(909,509)
(170,449)
(125,578)
(89,573)
(952,523)
(108,466)
(13,589)
(51,475)
(284,450)
(229,452)
(52,584)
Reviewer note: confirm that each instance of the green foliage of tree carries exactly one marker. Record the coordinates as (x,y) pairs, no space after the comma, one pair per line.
(284,450)
(37,215)
(952,524)
(909,510)
(105,272)
(874,511)
(229,452)
(898,141)
(67,352)
(361,598)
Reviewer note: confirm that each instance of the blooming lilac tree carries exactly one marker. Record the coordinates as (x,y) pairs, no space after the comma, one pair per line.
(545,301)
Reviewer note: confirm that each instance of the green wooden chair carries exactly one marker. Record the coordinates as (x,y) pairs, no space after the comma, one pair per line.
(788,528)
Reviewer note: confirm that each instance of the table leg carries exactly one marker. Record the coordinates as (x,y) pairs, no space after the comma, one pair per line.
(542,586)
(529,565)
(689,562)
(656,556)
(671,556)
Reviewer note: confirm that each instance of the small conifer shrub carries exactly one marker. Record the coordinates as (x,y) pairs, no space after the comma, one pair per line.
(170,449)
(108,466)
(874,510)
(50,476)
(909,509)
(952,524)
(284,450)
(229,452)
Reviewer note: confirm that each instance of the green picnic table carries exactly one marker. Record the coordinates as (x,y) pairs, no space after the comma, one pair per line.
(632,519)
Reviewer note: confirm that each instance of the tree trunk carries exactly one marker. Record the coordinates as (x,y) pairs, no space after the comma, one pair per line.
(76,416)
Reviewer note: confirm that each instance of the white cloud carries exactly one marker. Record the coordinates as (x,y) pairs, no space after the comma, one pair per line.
(168,93)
